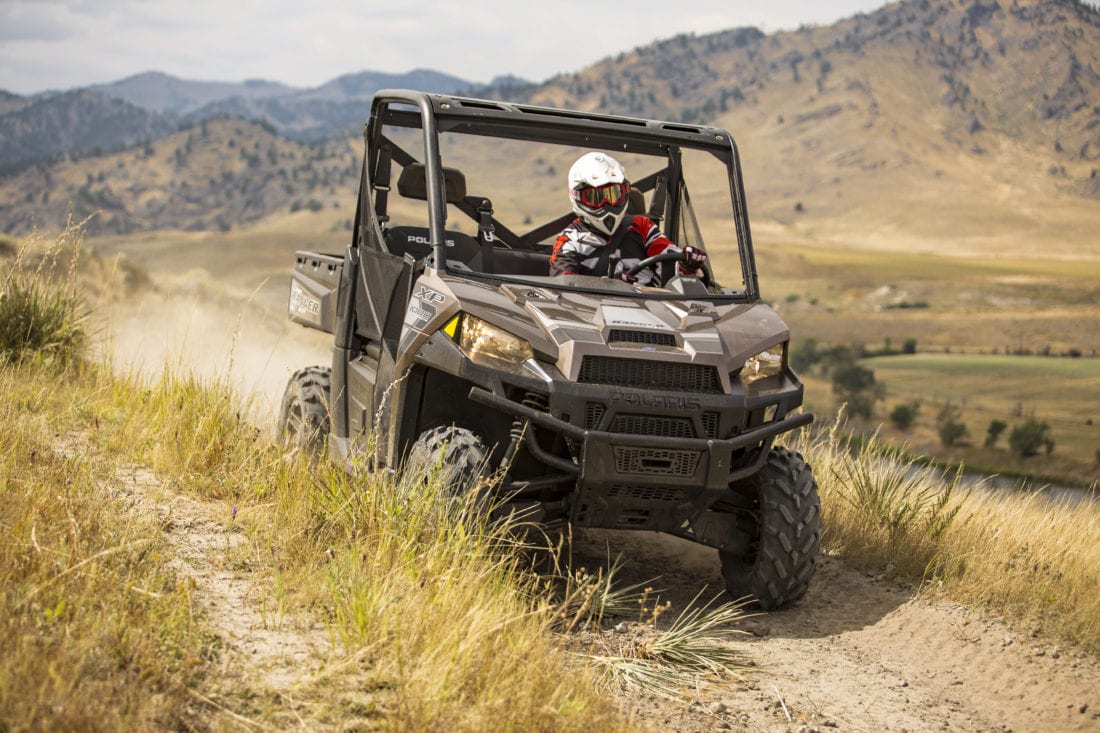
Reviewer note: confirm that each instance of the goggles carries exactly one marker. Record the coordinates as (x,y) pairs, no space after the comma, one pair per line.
(598,197)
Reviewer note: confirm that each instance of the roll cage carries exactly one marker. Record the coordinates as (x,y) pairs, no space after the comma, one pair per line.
(434,114)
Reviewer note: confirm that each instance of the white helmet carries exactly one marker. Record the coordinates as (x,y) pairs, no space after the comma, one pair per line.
(598,190)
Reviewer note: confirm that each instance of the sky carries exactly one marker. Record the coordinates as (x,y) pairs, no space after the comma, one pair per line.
(61,44)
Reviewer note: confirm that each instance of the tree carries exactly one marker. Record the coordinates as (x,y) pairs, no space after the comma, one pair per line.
(1027,438)
(952,431)
(805,355)
(904,414)
(993,432)
(856,385)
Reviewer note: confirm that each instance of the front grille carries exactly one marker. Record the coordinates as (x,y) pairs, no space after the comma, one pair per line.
(665,427)
(647,494)
(653,462)
(710,424)
(646,338)
(593,411)
(643,374)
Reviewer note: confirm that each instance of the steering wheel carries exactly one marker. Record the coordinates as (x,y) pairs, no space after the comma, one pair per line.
(667,256)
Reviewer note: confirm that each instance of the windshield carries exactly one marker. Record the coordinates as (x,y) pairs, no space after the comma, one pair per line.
(507,203)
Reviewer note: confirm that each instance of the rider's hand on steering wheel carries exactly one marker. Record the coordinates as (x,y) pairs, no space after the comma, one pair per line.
(692,261)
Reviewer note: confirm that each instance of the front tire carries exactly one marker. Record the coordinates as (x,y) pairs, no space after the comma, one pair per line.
(304,416)
(781,561)
(460,454)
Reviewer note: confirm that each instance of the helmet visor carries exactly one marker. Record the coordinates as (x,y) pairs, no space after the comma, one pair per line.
(597,197)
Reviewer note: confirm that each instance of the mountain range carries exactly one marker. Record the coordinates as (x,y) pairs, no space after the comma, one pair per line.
(148,106)
(961,119)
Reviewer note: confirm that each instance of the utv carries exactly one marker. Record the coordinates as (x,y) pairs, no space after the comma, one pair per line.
(600,403)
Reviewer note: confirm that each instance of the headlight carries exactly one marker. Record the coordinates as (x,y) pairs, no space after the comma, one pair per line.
(488,345)
(768,363)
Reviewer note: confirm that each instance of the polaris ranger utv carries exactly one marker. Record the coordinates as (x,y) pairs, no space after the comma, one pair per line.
(601,403)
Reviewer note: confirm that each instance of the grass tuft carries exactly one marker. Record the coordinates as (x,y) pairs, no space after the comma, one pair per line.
(41,314)
(694,651)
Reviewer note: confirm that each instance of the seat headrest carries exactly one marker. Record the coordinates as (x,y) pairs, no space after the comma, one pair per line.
(413,183)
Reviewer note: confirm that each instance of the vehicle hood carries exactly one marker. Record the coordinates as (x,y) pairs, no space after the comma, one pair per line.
(564,327)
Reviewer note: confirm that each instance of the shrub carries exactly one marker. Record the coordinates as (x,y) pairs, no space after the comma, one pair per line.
(856,385)
(41,314)
(904,414)
(993,432)
(1027,438)
(951,430)
(805,355)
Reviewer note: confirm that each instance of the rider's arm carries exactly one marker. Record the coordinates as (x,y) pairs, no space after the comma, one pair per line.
(565,260)
(653,239)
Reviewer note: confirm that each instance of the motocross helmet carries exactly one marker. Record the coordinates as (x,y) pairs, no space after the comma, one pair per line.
(598,190)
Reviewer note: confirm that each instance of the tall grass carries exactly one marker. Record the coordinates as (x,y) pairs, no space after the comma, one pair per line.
(1035,560)
(41,313)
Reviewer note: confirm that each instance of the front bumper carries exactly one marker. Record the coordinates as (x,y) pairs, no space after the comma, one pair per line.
(644,481)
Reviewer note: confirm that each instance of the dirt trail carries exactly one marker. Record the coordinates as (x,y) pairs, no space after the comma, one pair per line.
(261,648)
(865,654)
(858,653)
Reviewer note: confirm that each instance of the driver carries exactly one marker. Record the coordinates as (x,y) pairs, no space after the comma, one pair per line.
(598,190)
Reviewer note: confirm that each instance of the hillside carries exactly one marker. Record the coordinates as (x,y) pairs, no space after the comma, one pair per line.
(72,123)
(215,175)
(102,118)
(928,119)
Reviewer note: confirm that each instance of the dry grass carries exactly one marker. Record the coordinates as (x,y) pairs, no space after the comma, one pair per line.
(1025,556)
(96,632)
(41,315)
(1029,557)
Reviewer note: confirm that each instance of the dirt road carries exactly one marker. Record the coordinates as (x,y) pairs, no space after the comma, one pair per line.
(862,653)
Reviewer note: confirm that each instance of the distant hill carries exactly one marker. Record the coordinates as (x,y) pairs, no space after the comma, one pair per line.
(144,107)
(362,86)
(215,175)
(166,94)
(79,122)
(11,102)
(332,109)
(947,116)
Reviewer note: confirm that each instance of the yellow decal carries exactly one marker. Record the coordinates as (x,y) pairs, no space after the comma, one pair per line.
(452,326)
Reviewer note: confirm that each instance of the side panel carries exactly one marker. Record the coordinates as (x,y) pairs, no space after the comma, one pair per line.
(362,378)
(384,279)
(314,289)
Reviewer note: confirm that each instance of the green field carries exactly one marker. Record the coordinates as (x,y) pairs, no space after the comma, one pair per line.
(1063,392)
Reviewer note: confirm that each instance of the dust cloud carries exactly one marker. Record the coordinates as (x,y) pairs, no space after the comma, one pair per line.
(192,325)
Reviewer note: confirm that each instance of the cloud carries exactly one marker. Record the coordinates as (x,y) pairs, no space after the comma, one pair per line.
(61,44)
(37,21)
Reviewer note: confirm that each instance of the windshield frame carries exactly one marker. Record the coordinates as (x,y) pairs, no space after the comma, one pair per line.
(436,113)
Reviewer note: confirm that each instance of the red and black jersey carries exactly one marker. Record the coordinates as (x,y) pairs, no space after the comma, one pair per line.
(580,250)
